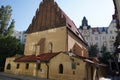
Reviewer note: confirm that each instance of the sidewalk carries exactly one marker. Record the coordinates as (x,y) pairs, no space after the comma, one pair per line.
(19,77)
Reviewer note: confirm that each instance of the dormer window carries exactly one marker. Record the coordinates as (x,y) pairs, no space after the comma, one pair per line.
(77,33)
(69,25)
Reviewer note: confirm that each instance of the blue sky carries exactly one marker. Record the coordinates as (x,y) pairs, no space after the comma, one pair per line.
(98,12)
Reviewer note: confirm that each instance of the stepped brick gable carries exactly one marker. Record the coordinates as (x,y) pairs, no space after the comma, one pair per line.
(49,15)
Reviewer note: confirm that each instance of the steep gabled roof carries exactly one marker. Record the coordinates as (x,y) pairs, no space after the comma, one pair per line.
(48,16)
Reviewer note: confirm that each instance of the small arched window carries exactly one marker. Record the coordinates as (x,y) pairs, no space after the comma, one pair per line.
(9,66)
(61,69)
(27,66)
(50,47)
(18,65)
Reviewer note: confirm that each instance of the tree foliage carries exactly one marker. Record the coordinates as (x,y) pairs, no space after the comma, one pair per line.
(5,15)
(93,51)
(9,45)
(117,43)
(106,56)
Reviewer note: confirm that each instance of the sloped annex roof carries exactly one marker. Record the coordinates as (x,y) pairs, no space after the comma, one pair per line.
(95,63)
(32,58)
(46,57)
(48,16)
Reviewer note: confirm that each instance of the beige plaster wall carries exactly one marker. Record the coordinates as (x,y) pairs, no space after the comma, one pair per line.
(56,35)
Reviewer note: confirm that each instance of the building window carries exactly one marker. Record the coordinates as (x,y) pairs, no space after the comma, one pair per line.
(110,32)
(73,65)
(38,66)
(96,38)
(27,66)
(104,38)
(61,69)
(18,65)
(112,37)
(50,47)
(9,66)
(91,39)
(73,72)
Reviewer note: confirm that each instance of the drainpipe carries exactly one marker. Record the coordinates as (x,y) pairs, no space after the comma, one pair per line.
(47,70)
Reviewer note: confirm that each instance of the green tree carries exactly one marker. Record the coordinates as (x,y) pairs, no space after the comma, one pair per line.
(117,50)
(106,56)
(93,51)
(5,15)
(117,43)
(9,45)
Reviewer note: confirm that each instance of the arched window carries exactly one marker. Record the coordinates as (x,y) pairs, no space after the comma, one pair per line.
(27,66)
(18,65)
(9,66)
(61,69)
(50,47)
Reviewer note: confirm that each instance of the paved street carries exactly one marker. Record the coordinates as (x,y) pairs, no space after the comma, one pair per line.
(5,76)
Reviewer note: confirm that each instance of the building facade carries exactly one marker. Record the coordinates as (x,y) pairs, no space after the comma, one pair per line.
(100,36)
(54,48)
(20,35)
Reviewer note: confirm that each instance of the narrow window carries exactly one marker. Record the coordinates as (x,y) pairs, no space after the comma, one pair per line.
(73,65)
(110,32)
(27,66)
(38,66)
(9,66)
(96,38)
(50,47)
(73,72)
(112,37)
(18,65)
(61,69)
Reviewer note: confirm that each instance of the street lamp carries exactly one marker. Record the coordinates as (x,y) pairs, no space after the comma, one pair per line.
(70,53)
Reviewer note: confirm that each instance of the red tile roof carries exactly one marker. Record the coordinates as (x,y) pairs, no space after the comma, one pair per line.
(28,58)
(46,57)
(71,26)
(32,58)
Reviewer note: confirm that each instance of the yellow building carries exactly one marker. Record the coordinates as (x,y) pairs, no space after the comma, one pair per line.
(54,48)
